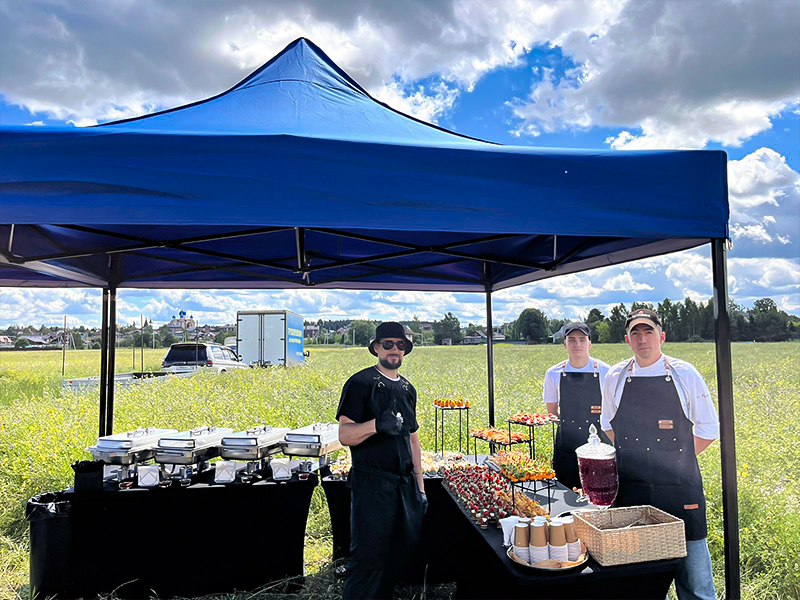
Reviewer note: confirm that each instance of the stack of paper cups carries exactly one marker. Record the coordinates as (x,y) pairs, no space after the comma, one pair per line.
(521,541)
(538,543)
(573,543)
(545,524)
(558,541)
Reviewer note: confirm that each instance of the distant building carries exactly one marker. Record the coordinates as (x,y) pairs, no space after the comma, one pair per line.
(478,337)
(311,331)
(341,330)
(5,341)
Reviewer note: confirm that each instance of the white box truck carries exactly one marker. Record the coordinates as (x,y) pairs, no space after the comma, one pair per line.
(270,337)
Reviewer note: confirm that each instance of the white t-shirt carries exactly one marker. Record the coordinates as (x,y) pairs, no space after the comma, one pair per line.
(692,390)
(552,377)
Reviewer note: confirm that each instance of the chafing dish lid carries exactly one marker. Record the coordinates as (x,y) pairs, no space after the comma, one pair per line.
(139,439)
(193,439)
(261,435)
(318,433)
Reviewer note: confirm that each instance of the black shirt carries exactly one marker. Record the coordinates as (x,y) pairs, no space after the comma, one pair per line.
(366,395)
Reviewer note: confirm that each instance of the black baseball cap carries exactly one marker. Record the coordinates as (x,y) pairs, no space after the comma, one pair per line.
(642,315)
(576,326)
(390,329)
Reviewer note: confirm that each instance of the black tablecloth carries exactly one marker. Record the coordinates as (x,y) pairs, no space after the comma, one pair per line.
(485,571)
(433,562)
(179,541)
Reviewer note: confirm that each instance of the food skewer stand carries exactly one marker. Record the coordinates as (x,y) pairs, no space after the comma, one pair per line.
(440,408)
(129,221)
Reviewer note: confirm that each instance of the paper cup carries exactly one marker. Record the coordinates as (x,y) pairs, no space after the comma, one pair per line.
(521,534)
(569,529)
(523,553)
(558,552)
(538,553)
(538,536)
(573,550)
(557,536)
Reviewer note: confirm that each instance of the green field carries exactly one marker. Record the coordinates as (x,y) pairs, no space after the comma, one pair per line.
(42,431)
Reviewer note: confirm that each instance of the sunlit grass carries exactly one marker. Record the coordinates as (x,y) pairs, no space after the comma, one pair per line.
(43,430)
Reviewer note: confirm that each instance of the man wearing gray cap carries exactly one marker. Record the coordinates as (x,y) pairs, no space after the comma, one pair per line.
(572,390)
(378,421)
(659,414)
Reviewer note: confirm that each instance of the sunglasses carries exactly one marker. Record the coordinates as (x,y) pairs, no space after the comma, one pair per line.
(389,344)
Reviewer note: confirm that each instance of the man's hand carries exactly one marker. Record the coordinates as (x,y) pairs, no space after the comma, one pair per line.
(424,503)
(389,423)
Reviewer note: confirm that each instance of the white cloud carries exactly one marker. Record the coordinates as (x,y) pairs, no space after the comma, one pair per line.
(625,283)
(765,205)
(681,73)
(100,60)
(35,124)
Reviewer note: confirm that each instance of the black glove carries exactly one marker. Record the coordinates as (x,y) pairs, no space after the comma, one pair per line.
(424,503)
(389,423)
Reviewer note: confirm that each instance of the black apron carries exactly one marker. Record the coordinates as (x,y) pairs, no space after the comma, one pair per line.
(385,520)
(655,452)
(580,400)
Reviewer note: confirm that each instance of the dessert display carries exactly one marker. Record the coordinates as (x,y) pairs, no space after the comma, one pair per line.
(517,467)
(597,466)
(533,418)
(498,436)
(457,403)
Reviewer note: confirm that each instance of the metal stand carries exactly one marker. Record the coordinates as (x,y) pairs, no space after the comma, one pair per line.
(492,446)
(437,430)
(532,434)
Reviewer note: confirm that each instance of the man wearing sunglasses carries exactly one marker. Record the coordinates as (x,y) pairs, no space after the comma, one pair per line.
(377,420)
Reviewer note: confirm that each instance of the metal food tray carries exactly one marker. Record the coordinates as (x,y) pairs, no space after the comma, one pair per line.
(253,444)
(550,422)
(128,447)
(311,449)
(318,433)
(192,446)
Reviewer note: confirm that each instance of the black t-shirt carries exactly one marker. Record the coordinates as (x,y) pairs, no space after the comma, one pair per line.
(366,395)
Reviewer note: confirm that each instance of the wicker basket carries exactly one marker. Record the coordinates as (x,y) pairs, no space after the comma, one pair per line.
(613,536)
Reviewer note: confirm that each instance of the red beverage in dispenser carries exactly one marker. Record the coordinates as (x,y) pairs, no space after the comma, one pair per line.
(597,466)
(599,480)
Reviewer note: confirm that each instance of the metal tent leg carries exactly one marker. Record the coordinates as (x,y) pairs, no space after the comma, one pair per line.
(112,347)
(103,362)
(490,354)
(722,336)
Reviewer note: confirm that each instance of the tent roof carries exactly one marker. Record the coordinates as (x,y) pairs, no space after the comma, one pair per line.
(296,176)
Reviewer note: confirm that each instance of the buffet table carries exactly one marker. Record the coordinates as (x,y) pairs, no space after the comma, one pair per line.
(487,572)
(190,541)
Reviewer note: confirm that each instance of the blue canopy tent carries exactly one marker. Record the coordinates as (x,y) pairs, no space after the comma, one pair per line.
(297,177)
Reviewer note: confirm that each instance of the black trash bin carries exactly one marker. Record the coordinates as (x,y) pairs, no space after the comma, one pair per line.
(51,568)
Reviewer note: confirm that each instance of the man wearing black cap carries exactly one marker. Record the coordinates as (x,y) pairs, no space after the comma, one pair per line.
(659,414)
(572,390)
(377,419)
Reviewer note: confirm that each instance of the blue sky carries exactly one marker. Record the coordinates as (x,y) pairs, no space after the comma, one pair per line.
(604,74)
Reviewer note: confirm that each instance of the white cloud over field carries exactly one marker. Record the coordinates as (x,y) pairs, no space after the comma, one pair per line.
(674,74)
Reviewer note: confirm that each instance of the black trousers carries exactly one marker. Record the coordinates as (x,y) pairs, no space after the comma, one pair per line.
(386,522)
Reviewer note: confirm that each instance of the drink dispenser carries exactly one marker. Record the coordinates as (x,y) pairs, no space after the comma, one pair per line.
(597,465)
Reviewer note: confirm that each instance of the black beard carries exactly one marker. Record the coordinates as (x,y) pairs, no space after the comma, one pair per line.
(386,364)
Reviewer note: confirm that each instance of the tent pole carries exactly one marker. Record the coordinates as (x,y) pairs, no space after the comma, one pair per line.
(103,362)
(112,349)
(722,337)
(490,353)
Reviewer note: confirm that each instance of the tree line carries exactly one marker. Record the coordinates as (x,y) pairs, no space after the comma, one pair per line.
(686,321)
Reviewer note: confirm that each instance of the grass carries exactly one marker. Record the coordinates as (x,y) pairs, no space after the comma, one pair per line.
(43,430)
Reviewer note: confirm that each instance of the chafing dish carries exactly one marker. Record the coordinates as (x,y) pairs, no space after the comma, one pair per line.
(129,449)
(318,440)
(188,452)
(254,446)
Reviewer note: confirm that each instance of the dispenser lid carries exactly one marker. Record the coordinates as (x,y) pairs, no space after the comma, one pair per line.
(594,448)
